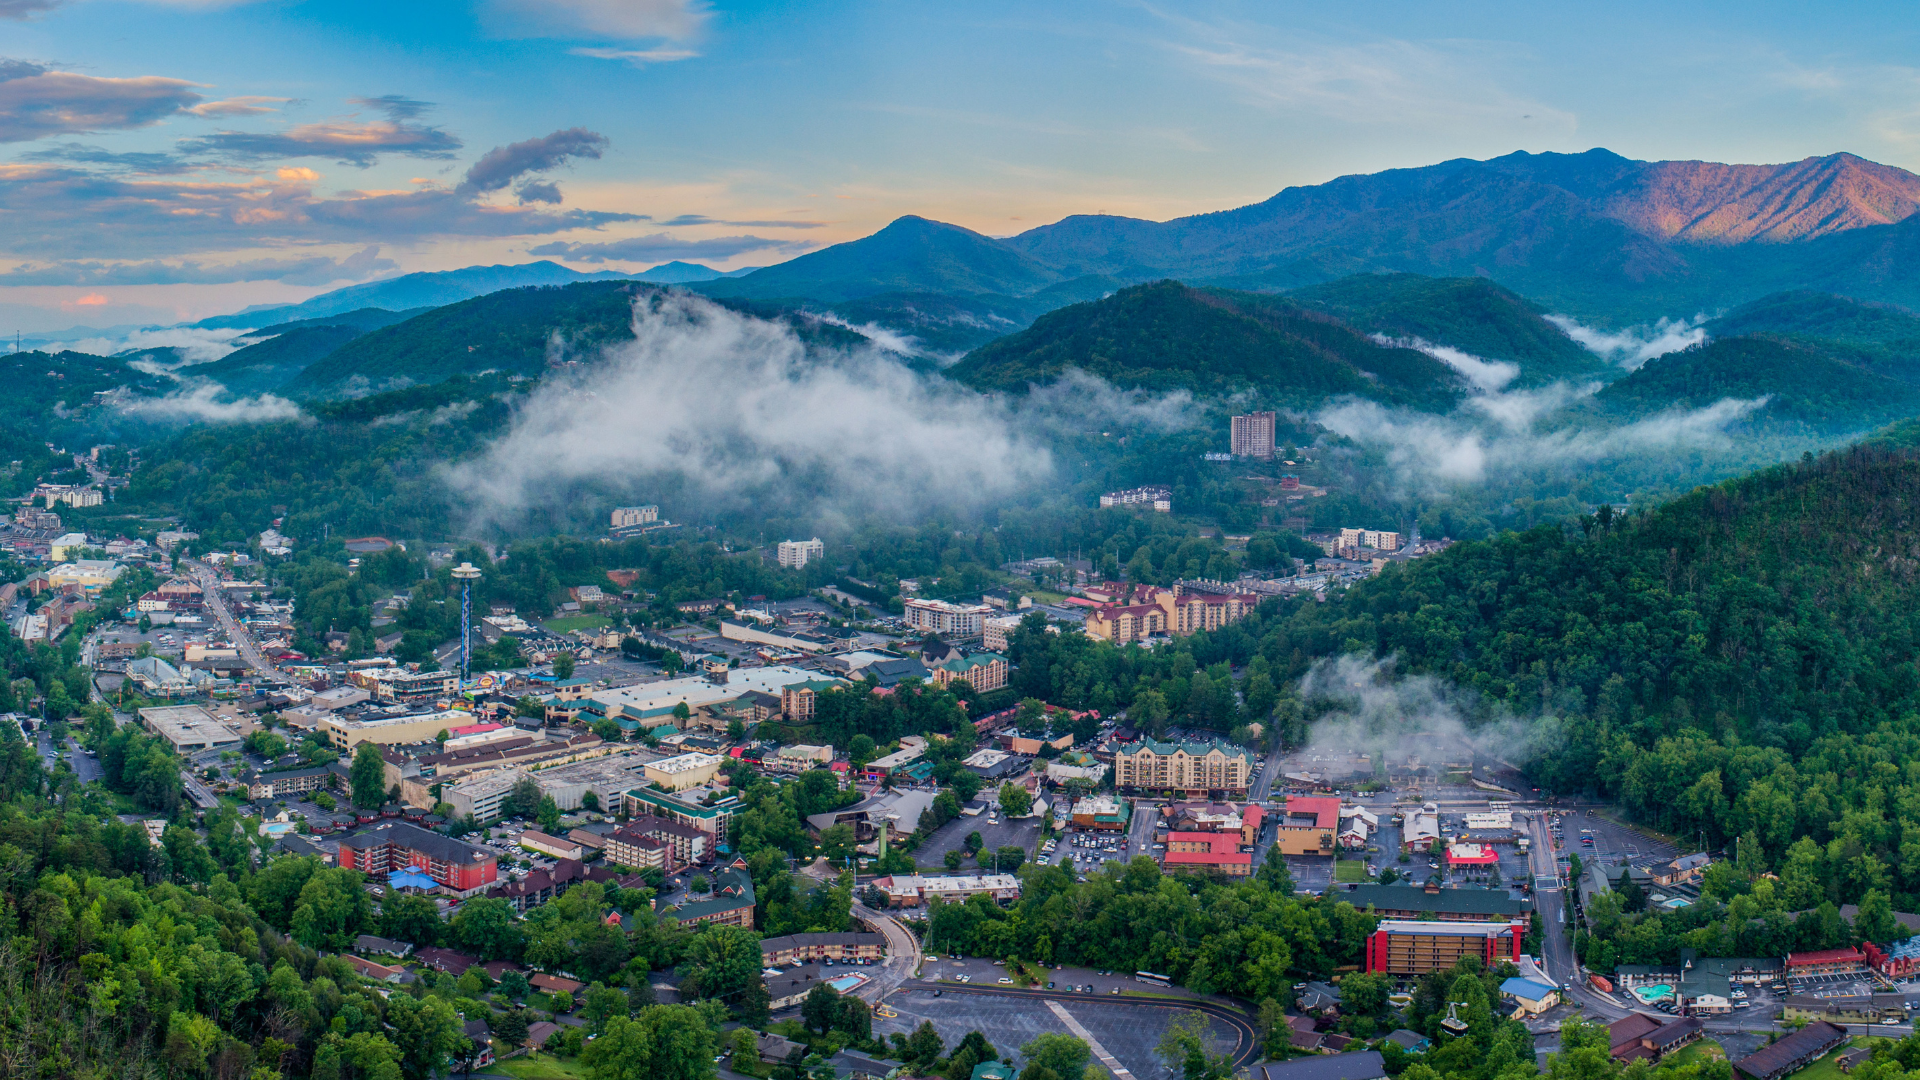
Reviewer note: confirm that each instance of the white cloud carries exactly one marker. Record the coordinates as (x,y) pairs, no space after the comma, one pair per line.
(737,409)
(1635,345)
(1486,375)
(665,54)
(196,346)
(208,401)
(626,20)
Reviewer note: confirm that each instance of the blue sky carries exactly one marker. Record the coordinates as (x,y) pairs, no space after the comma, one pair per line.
(167,160)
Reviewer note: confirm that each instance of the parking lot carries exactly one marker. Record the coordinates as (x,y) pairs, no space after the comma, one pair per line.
(1612,842)
(1128,1032)
(1023,833)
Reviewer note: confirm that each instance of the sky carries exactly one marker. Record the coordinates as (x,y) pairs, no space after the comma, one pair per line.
(165,160)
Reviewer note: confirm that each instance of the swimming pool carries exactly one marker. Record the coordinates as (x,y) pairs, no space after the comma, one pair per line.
(845,983)
(1650,994)
(278,828)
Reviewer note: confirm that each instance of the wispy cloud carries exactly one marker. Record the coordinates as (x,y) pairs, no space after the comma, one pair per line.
(25,9)
(36,101)
(1634,346)
(665,54)
(702,219)
(346,141)
(208,402)
(624,20)
(156,164)
(311,270)
(659,247)
(250,105)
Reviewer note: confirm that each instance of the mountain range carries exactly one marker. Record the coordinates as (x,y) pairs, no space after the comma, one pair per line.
(1595,234)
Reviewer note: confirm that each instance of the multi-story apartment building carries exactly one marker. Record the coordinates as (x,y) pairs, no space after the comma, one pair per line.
(1156,498)
(1253,435)
(391,846)
(982,671)
(798,553)
(1212,768)
(627,517)
(658,841)
(1187,608)
(957,621)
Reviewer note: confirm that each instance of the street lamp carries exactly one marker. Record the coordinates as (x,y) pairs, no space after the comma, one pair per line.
(466,574)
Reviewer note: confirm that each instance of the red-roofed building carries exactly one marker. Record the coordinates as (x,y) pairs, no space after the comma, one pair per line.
(1307,825)
(475,729)
(1217,852)
(1250,819)
(1826,962)
(1472,855)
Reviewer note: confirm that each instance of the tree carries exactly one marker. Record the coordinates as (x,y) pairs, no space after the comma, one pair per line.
(1183,1047)
(563,666)
(1015,800)
(837,841)
(662,1042)
(819,1008)
(1009,858)
(324,801)
(332,910)
(523,799)
(953,859)
(548,814)
(428,1032)
(412,919)
(486,926)
(509,1027)
(860,750)
(922,1048)
(1063,1055)
(723,963)
(1363,994)
(1875,921)
(368,776)
(601,1004)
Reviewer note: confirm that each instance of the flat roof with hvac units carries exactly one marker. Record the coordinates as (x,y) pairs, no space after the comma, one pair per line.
(188,728)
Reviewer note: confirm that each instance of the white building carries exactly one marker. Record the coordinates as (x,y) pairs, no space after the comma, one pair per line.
(627,517)
(1252,435)
(798,553)
(1159,499)
(947,620)
(995,631)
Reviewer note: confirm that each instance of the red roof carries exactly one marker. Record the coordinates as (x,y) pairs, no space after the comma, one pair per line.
(1080,601)
(1207,858)
(1220,843)
(1253,815)
(1824,956)
(475,729)
(1324,808)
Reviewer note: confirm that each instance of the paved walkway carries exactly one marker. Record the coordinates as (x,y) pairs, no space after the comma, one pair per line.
(1113,1065)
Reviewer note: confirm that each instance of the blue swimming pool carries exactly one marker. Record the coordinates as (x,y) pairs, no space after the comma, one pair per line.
(845,983)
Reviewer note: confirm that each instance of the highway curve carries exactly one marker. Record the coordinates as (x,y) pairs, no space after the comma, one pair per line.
(1246,1049)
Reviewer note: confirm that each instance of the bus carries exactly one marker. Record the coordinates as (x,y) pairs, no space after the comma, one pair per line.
(1151,979)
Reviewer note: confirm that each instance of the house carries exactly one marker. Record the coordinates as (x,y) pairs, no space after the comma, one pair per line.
(554,984)
(481,1037)
(1851,1009)
(1318,999)
(1790,1054)
(1411,1041)
(854,1065)
(1362,1065)
(367,969)
(539,1032)
(367,943)
(993,1070)
(1682,871)
(729,904)
(775,1049)
(1532,996)
(446,960)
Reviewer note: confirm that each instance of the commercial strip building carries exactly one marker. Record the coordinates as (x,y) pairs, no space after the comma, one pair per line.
(1792,1053)
(461,869)
(189,729)
(914,890)
(651,705)
(1213,852)
(958,622)
(392,730)
(807,948)
(1641,1037)
(1191,768)
(1415,948)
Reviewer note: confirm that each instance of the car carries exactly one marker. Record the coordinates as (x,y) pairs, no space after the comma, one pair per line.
(1004,981)
(936,993)
(1087,988)
(963,978)
(1049,985)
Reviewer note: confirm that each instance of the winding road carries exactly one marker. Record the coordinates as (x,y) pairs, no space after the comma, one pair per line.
(903,954)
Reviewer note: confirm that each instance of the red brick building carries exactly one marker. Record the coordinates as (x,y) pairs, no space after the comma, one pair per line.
(392,846)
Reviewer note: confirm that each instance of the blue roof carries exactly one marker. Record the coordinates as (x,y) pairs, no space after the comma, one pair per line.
(1904,950)
(1527,988)
(410,879)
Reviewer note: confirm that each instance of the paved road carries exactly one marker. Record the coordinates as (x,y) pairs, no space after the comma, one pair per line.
(216,601)
(197,791)
(903,954)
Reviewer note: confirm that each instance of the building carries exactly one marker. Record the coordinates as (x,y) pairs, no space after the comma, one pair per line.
(285,782)
(955,621)
(534,840)
(390,846)
(1213,852)
(1104,813)
(1156,498)
(898,812)
(1849,961)
(391,730)
(1641,1037)
(691,808)
(632,517)
(1187,608)
(651,705)
(914,890)
(806,948)
(683,772)
(1306,826)
(889,764)
(87,575)
(1851,1009)
(481,797)
(1684,870)
(1461,904)
(786,990)
(189,729)
(1416,948)
(658,841)
(799,758)
(1211,767)
(1252,435)
(996,632)
(798,553)
(1531,996)
(729,904)
(367,969)
(982,671)
(1792,1053)
(798,700)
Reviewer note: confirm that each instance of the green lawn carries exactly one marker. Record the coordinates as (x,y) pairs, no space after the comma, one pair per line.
(1350,870)
(1705,1049)
(539,1066)
(571,623)
(1825,1068)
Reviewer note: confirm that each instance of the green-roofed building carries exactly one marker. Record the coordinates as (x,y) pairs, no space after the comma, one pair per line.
(1211,768)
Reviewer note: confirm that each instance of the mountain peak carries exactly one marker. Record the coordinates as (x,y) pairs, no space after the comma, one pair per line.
(1707,202)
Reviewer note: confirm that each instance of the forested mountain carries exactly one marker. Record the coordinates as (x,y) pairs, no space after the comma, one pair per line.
(1472,314)
(1167,336)
(1885,328)
(1823,385)
(277,361)
(426,289)
(912,254)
